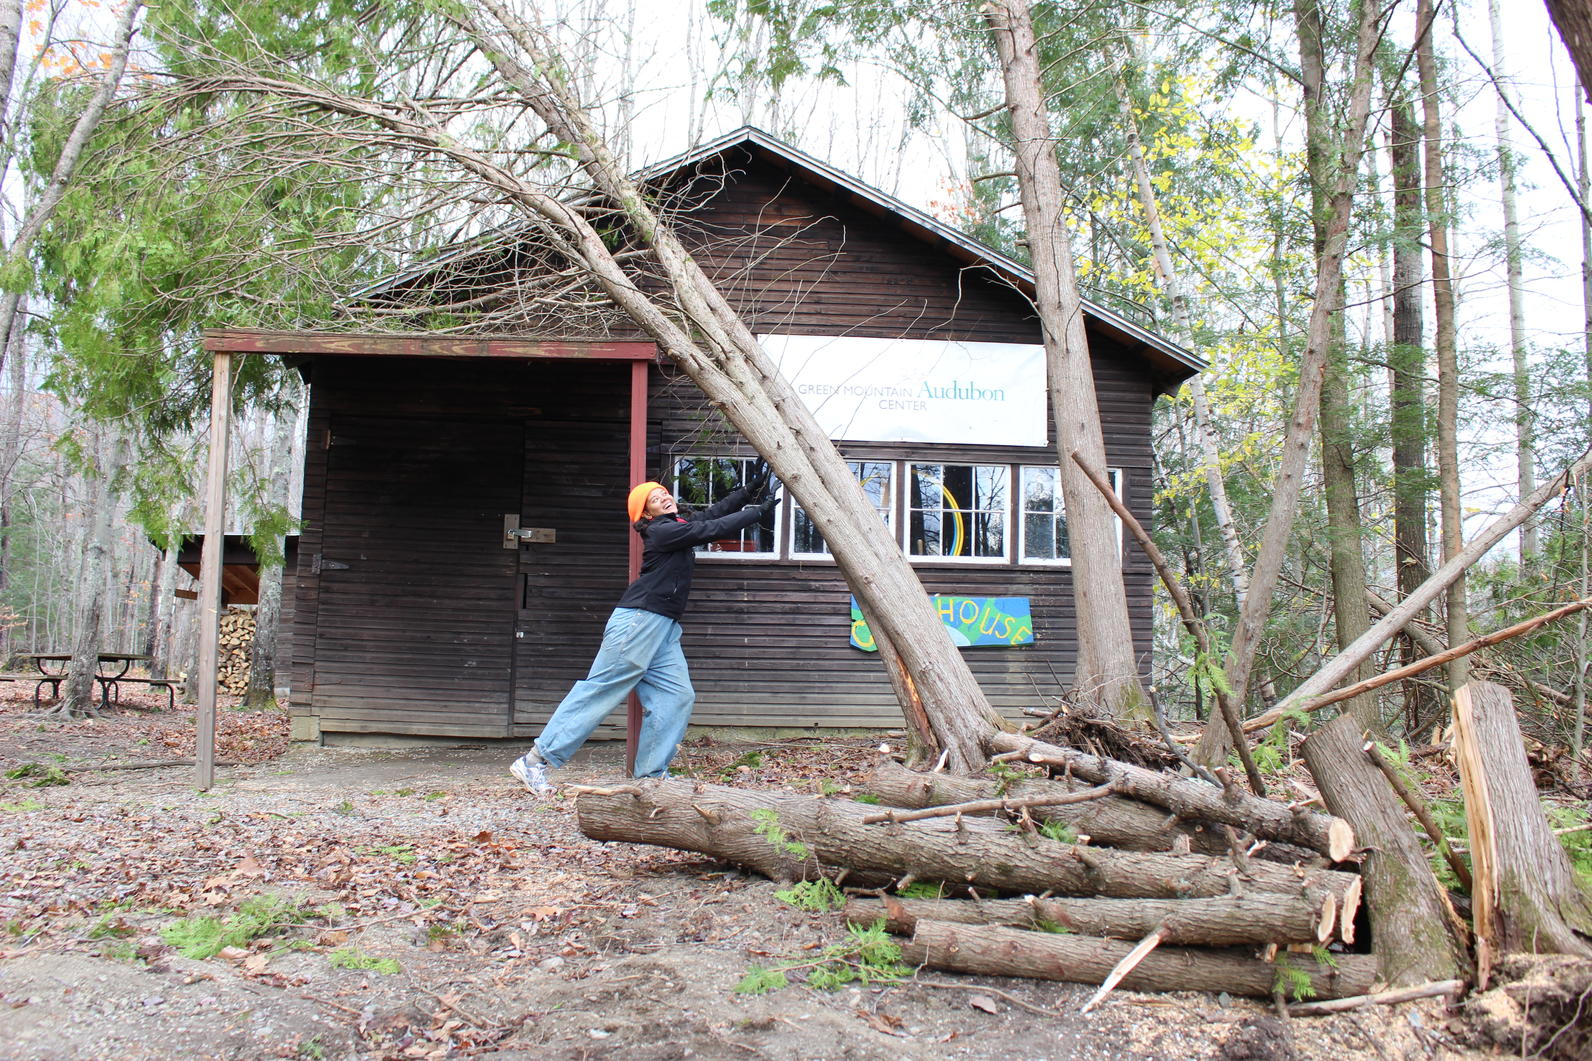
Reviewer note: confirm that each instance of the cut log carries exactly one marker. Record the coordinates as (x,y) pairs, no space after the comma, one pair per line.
(1266,819)
(811,834)
(1220,921)
(1414,930)
(1521,869)
(990,951)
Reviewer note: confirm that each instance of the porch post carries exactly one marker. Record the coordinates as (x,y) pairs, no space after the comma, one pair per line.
(210,559)
(638,474)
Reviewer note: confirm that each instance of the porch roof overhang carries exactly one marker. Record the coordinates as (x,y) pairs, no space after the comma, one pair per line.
(351,344)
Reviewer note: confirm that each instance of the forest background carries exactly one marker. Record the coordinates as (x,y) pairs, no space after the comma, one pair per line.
(118,251)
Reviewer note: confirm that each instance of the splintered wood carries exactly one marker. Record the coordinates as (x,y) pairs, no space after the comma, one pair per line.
(1153,893)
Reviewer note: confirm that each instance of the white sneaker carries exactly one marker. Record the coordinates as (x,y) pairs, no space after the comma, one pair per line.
(532,773)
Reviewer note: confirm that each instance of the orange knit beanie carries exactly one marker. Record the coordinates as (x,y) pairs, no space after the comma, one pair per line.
(638,498)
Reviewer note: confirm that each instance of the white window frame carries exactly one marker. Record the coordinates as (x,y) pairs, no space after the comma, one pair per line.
(706,549)
(887,512)
(1005,557)
(1021,513)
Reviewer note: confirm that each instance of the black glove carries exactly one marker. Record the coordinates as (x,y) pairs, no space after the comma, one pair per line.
(757,479)
(764,506)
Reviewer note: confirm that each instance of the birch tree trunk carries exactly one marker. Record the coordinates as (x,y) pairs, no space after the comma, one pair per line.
(1525,426)
(1106,669)
(79,689)
(261,692)
(1215,742)
(1445,340)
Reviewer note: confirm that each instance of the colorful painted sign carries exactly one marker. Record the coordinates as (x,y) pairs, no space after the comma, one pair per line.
(971,620)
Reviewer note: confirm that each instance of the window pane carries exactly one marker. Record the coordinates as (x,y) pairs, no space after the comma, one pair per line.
(957,510)
(704,481)
(877,478)
(1044,516)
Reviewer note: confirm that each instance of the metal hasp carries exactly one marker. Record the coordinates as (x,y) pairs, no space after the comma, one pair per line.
(515,535)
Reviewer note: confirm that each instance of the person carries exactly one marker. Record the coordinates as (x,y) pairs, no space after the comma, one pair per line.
(640,649)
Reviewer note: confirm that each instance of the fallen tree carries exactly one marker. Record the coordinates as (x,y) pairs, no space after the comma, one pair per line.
(992,951)
(789,837)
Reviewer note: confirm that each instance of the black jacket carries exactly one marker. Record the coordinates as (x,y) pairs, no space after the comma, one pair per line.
(667,559)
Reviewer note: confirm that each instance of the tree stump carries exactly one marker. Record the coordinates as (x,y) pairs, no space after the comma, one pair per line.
(1526,897)
(1412,924)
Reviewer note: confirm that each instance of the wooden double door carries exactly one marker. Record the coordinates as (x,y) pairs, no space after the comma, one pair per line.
(430,618)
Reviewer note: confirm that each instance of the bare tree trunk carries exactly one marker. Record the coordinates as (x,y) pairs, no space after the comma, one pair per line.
(1583,658)
(1525,427)
(1106,670)
(1446,342)
(1345,561)
(1215,742)
(717,351)
(1573,20)
(1407,366)
(279,434)
(79,689)
(160,629)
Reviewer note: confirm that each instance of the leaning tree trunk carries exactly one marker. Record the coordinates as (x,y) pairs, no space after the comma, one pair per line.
(713,346)
(1412,924)
(1289,481)
(1107,670)
(1526,896)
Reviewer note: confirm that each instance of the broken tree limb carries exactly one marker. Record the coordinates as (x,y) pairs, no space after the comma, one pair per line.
(1379,998)
(1130,961)
(1115,821)
(1000,805)
(1521,869)
(1345,662)
(1185,608)
(1419,666)
(798,834)
(1264,818)
(990,951)
(1422,812)
(1254,917)
(1413,926)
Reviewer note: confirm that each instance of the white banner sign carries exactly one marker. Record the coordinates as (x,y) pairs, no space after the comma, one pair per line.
(917,390)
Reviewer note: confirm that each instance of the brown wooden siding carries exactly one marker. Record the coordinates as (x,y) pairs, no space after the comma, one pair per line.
(767,640)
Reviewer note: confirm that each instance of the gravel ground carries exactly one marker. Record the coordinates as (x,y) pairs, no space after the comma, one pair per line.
(439,911)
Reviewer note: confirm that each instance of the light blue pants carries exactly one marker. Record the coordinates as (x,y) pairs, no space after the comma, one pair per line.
(640,651)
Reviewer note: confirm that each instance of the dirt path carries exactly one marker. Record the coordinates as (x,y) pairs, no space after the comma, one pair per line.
(445,913)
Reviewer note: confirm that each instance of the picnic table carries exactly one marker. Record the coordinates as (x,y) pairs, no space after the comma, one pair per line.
(110,671)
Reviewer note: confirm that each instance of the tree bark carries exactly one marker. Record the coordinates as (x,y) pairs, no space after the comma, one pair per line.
(1288,483)
(1527,896)
(1107,670)
(1574,22)
(261,692)
(1445,340)
(737,825)
(79,690)
(1188,799)
(1412,924)
(1220,921)
(988,951)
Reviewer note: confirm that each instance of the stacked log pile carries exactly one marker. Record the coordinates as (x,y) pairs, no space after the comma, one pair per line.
(1155,887)
(236,647)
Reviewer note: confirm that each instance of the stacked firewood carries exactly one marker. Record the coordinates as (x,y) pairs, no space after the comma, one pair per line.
(1107,873)
(234,651)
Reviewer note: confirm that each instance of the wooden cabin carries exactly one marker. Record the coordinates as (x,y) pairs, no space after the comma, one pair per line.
(464,531)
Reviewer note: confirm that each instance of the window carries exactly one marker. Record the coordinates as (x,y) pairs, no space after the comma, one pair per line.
(957,510)
(700,482)
(1043,530)
(878,482)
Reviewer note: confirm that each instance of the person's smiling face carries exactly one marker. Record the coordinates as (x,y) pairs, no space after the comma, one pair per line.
(660,503)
